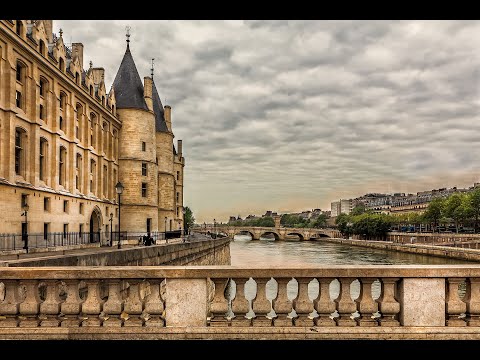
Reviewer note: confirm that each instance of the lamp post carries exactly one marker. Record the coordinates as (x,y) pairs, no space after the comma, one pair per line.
(185,226)
(111,229)
(119,190)
(25,234)
(214,231)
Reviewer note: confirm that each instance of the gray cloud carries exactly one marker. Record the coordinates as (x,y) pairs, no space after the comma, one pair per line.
(290,115)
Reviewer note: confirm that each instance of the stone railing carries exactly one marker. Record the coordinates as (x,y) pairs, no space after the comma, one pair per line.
(231,302)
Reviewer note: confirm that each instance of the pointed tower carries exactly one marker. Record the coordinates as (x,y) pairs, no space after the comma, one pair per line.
(138,170)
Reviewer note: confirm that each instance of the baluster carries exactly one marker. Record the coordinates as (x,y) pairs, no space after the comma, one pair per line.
(282,305)
(240,305)
(388,306)
(302,304)
(455,306)
(260,304)
(50,308)
(112,308)
(345,305)
(28,308)
(219,305)
(71,307)
(473,302)
(154,305)
(133,305)
(9,305)
(323,304)
(366,306)
(92,305)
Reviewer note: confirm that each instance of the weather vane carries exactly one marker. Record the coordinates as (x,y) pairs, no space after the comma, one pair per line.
(152,67)
(127,28)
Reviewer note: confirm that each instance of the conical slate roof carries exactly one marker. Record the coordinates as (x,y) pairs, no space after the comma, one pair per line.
(128,85)
(160,124)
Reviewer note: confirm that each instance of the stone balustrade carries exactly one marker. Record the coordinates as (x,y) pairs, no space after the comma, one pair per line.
(230,302)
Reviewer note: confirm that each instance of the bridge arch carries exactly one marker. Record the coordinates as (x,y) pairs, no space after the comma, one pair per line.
(300,235)
(243,232)
(277,237)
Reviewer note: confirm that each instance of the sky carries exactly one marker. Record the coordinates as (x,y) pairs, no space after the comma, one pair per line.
(292,115)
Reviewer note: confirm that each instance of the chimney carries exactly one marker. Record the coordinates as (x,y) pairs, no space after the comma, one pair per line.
(179,147)
(98,75)
(168,116)
(147,91)
(48,24)
(77,50)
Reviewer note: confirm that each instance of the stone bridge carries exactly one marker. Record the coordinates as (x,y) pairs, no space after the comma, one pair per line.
(280,233)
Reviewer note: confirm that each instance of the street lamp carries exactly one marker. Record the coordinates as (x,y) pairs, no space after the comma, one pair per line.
(25,234)
(214,231)
(119,190)
(185,227)
(111,229)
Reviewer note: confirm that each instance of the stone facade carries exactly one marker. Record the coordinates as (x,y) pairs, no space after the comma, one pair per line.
(65,142)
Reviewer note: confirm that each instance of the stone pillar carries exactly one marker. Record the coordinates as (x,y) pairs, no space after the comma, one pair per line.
(422,302)
(186,302)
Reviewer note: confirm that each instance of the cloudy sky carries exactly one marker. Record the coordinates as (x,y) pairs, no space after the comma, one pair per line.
(291,115)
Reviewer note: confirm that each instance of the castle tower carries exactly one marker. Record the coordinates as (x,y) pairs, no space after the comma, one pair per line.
(170,169)
(138,170)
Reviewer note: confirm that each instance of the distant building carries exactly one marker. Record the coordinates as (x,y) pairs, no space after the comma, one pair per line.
(335,208)
(346,206)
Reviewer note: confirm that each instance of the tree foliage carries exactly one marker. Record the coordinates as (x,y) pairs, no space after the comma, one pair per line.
(188,219)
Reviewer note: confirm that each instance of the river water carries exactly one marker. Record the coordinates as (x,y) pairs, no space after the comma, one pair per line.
(265,252)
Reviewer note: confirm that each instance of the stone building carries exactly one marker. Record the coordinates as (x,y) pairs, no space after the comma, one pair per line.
(65,141)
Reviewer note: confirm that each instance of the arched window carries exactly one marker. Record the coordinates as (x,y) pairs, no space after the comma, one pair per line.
(105,137)
(61,165)
(19,27)
(62,100)
(93,129)
(41,48)
(79,121)
(78,172)
(93,171)
(43,86)
(43,158)
(77,78)
(61,64)
(20,143)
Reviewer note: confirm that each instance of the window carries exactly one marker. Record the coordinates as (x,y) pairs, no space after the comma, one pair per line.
(23,201)
(93,126)
(80,210)
(77,78)
(19,151)
(79,120)
(65,206)
(40,111)
(177,211)
(81,229)
(42,87)
(144,169)
(42,162)
(103,100)
(19,27)
(65,230)
(61,64)
(18,99)
(144,189)
(144,146)
(19,72)
(61,165)
(46,204)
(45,231)
(61,100)
(105,178)
(91,90)
(78,171)
(93,167)
(105,137)
(41,48)
(178,175)
(178,197)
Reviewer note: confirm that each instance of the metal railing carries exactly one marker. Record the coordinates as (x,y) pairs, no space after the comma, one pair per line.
(35,240)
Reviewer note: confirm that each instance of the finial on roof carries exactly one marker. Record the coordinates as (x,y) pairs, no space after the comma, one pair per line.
(127,28)
(61,32)
(152,67)
(91,64)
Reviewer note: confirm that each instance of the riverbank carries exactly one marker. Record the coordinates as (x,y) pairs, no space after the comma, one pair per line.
(420,249)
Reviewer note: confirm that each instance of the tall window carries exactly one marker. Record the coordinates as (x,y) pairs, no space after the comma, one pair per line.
(61,166)
(91,90)
(20,86)
(61,100)
(45,231)
(80,210)
(105,137)
(105,178)
(19,27)
(46,204)
(144,189)
(65,206)
(60,123)
(61,64)
(178,175)
(79,119)
(18,99)
(93,127)
(43,159)
(93,167)
(144,146)
(178,197)
(41,48)
(19,73)
(77,78)
(40,112)
(78,172)
(20,136)
(43,86)
(144,169)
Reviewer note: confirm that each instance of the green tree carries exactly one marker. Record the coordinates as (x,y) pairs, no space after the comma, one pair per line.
(475,205)
(343,223)
(320,221)
(188,219)
(434,211)
(452,210)
(358,210)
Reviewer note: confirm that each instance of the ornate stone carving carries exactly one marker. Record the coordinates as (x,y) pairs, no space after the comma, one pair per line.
(9,305)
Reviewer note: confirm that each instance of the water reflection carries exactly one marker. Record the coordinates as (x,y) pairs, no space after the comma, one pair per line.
(269,252)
